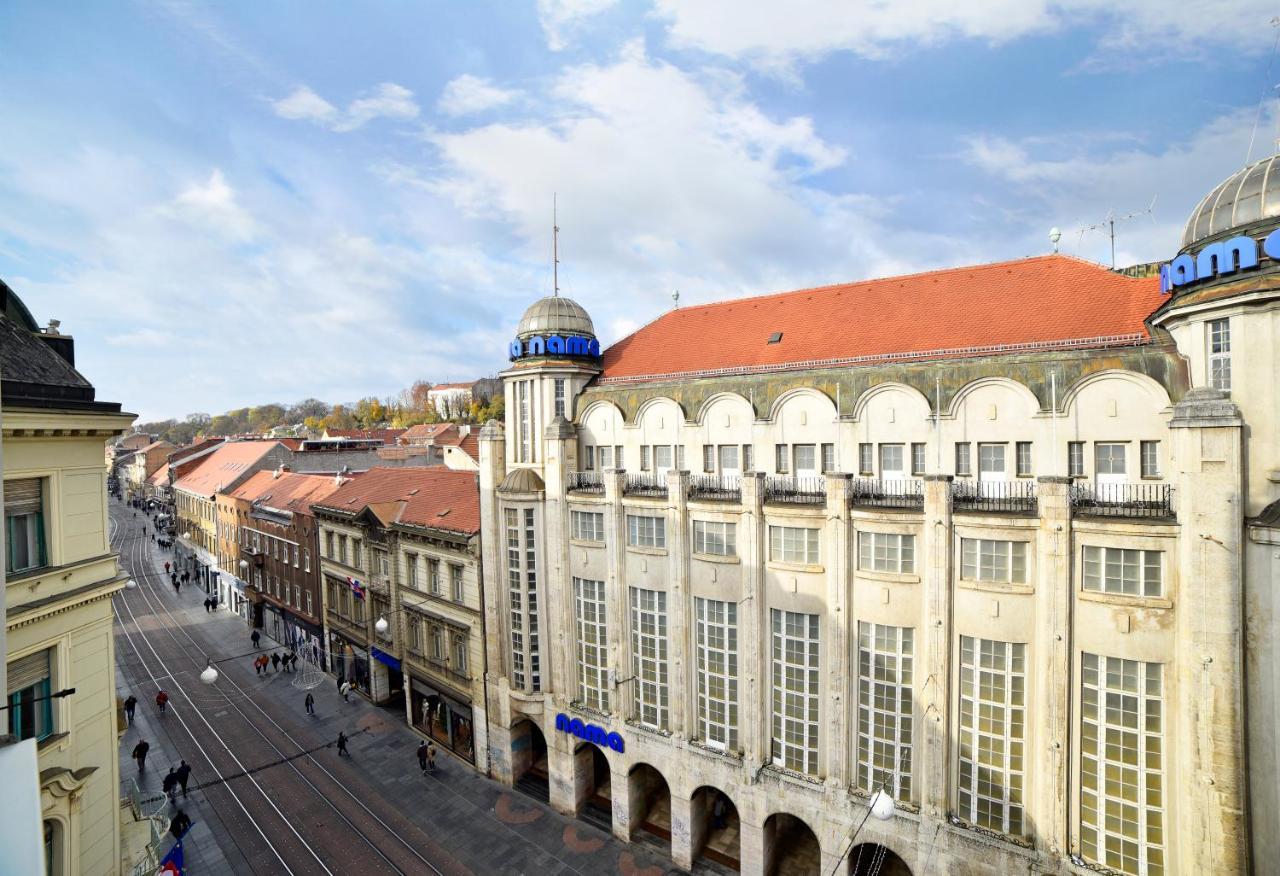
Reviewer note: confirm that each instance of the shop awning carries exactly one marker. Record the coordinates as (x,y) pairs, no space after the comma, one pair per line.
(383,657)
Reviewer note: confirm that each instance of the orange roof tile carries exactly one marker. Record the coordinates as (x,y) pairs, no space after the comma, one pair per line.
(223,466)
(426,431)
(288,491)
(1046,300)
(432,496)
(161,476)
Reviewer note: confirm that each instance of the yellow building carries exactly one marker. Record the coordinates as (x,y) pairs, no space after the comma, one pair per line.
(60,575)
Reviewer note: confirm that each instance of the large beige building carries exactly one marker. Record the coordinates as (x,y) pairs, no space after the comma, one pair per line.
(60,575)
(981,540)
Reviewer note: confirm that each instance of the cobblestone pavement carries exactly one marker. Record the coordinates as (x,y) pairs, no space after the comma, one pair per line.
(372,812)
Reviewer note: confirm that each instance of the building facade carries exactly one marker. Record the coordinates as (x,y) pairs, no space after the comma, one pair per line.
(981,540)
(60,575)
(403,610)
(143,465)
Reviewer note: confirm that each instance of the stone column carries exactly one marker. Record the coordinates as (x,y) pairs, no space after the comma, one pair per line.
(753,634)
(751,848)
(493,538)
(933,684)
(836,533)
(688,831)
(555,585)
(679,606)
(1208,736)
(1049,738)
(615,589)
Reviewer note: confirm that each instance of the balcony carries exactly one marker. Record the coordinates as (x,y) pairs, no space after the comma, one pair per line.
(589,482)
(795,490)
(645,484)
(994,497)
(893,493)
(1133,501)
(715,488)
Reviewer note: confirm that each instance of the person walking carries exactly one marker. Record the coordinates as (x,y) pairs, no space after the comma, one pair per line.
(177,587)
(275,661)
(166,562)
(293,661)
(162,700)
(345,689)
(422,757)
(140,754)
(310,703)
(206,605)
(184,774)
(431,756)
(718,820)
(257,665)
(170,784)
(129,705)
(181,824)
(254,638)
(342,744)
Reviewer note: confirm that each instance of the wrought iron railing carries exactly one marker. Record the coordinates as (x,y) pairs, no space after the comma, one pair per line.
(715,488)
(892,493)
(795,490)
(645,484)
(591,482)
(998,497)
(1123,500)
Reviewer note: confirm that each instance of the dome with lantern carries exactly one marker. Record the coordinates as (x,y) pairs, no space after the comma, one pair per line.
(555,315)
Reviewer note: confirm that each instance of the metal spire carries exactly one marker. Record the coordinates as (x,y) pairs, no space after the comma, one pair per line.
(555,249)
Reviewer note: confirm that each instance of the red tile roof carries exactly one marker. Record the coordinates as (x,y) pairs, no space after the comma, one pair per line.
(426,432)
(288,491)
(196,447)
(1048,300)
(444,386)
(433,496)
(223,466)
(161,476)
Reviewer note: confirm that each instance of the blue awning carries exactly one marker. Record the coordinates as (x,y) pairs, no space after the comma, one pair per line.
(383,657)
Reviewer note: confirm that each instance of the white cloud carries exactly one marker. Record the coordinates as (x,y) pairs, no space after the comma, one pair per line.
(562,19)
(470,94)
(213,205)
(388,100)
(779,34)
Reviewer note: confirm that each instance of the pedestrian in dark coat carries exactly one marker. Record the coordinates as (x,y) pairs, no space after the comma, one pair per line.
(342,744)
(180,824)
(310,703)
(184,774)
(293,662)
(206,605)
(140,754)
(170,784)
(275,661)
(254,638)
(129,705)
(166,562)
(177,588)
(422,757)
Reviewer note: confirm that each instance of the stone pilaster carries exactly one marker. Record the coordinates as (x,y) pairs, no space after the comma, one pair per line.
(559,450)
(933,684)
(1047,754)
(679,607)
(688,831)
(492,471)
(754,631)
(839,575)
(1208,736)
(615,589)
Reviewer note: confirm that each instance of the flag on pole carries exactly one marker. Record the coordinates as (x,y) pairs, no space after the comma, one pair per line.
(356,587)
(172,863)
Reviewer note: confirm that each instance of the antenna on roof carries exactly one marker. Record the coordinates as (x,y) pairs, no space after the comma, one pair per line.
(555,249)
(1109,224)
(675,297)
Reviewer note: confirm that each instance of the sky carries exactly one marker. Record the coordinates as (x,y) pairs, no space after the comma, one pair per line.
(239,203)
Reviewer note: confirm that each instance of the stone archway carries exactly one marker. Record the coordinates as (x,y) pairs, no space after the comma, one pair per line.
(529,769)
(715,829)
(790,847)
(873,859)
(593,786)
(649,803)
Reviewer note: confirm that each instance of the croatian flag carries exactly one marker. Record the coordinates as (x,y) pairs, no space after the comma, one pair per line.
(356,587)
(173,865)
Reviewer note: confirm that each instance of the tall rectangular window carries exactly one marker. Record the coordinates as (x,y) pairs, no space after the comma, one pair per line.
(588,457)
(886,552)
(24,525)
(1001,562)
(646,531)
(649,656)
(793,544)
(617,456)
(306,559)
(662,458)
(1075,459)
(522,589)
(782,458)
(714,537)
(795,691)
(587,525)
(964,467)
(992,723)
(524,420)
(646,457)
(456,587)
(708,458)
(865,459)
(515,589)
(1024,459)
(892,464)
(559,399)
(411,570)
(593,691)
(1151,459)
(1122,764)
(717,645)
(1219,339)
(917,458)
(460,653)
(828,458)
(605,453)
(30,708)
(679,457)
(728,458)
(991,465)
(748,457)
(433,576)
(1124,571)
(805,460)
(884,708)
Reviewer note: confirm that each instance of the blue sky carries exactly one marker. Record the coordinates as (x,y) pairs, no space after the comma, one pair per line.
(231,204)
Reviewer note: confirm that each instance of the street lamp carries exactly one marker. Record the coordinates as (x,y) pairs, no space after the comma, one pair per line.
(381,626)
(209,675)
(880,807)
(131,585)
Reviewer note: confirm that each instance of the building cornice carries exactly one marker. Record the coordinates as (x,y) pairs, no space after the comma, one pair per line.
(24,615)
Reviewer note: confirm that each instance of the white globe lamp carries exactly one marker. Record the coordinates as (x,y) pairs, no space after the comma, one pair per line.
(209,675)
(382,626)
(882,805)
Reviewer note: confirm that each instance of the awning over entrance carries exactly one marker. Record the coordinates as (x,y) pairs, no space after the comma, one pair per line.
(383,657)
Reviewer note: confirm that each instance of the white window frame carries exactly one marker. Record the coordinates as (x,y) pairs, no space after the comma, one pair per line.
(1217,334)
(887,552)
(795,682)
(998,670)
(1122,571)
(647,531)
(650,688)
(587,525)
(885,719)
(592,646)
(716,643)
(794,544)
(715,537)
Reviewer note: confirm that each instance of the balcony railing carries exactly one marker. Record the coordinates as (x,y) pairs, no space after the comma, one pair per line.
(645,484)
(892,493)
(590,482)
(1154,501)
(998,497)
(796,491)
(715,488)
